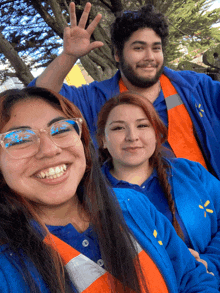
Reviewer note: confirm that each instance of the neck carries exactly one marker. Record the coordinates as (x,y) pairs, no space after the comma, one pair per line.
(151,93)
(71,212)
(134,175)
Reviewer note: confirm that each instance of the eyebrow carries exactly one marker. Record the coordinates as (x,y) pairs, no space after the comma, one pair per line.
(48,124)
(145,43)
(121,121)
(55,120)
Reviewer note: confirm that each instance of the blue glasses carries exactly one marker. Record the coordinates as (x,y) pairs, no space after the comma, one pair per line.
(24,142)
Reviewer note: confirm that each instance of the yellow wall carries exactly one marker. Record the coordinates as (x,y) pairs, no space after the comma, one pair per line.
(75,77)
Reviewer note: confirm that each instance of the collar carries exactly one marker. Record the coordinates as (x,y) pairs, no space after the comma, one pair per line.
(117,183)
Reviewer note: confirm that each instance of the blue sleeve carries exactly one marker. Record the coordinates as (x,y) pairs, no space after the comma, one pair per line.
(212,251)
(191,275)
(11,280)
(33,82)
(143,219)
(210,91)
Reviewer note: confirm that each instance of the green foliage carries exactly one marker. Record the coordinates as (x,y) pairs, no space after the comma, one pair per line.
(191,29)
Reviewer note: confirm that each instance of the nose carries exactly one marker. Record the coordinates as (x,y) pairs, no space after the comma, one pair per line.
(149,55)
(131,134)
(47,147)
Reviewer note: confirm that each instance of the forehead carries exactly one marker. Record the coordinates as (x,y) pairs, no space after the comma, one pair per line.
(126,112)
(35,113)
(146,35)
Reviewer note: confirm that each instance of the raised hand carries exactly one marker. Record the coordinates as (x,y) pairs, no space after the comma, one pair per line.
(77,37)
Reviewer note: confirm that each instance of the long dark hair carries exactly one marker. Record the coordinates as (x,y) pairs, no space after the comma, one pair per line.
(17,214)
(156,161)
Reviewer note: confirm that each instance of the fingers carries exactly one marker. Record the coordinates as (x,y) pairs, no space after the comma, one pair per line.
(197,257)
(95,45)
(72,14)
(83,21)
(203,262)
(90,29)
(85,15)
(194,253)
(66,33)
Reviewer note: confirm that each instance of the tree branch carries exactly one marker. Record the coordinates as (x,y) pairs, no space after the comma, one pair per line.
(22,71)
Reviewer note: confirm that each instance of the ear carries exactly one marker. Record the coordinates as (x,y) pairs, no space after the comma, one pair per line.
(104,143)
(116,56)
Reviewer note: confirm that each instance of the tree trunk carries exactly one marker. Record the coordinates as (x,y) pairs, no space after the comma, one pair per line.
(22,71)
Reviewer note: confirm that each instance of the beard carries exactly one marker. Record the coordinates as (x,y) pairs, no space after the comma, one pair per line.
(138,81)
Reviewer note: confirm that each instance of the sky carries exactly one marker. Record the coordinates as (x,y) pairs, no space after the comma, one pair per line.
(216,4)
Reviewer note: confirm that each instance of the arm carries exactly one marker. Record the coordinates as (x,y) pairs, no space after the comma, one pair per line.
(212,252)
(208,190)
(191,275)
(76,43)
(178,266)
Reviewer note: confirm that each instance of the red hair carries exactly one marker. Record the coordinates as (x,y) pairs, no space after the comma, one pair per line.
(130,98)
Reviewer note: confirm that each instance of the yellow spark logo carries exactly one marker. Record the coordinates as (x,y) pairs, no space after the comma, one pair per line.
(155,235)
(205,209)
(200,110)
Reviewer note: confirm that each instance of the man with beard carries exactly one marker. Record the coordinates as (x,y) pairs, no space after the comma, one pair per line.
(187,102)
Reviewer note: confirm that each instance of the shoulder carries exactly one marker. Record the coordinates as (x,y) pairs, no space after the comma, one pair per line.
(135,203)
(11,279)
(182,165)
(124,194)
(189,78)
(101,85)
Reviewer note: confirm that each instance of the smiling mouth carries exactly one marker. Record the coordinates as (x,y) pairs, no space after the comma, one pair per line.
(147,66)
(131,148)
(53,173)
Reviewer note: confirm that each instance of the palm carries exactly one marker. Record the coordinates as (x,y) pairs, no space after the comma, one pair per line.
(78,42)
(77,38)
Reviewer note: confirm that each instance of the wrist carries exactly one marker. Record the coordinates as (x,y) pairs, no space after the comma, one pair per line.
(70,58)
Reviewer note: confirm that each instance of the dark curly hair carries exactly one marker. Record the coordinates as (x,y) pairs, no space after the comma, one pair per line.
(130,21)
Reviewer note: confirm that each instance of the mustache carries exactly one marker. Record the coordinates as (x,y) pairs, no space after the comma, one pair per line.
(147,63)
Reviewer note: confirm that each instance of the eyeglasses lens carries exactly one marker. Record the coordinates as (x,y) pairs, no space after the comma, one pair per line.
(22,143)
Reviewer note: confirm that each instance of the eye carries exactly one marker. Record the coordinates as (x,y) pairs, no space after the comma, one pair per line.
(60,129)
(64,127)
(138,48)
(117,128)
(143,125)
(157,48)
(18,138)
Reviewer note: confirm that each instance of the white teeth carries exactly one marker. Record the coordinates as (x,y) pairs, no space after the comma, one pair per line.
(53,172)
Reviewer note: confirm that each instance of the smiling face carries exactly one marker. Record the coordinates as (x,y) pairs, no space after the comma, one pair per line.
(129,137)
(141,62)
(51,176)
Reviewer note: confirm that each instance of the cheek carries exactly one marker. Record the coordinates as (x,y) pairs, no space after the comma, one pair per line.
(112,141)
(12,170)
(160,57)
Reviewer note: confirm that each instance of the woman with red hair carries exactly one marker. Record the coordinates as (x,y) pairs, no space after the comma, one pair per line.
(130,136)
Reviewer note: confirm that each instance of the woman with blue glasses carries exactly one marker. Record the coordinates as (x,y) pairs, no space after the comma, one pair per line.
(61,228)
